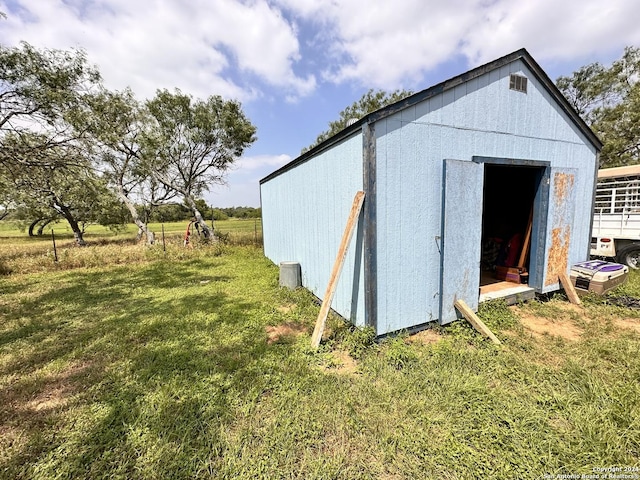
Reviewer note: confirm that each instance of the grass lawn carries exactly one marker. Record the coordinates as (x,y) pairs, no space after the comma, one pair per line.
(122,361)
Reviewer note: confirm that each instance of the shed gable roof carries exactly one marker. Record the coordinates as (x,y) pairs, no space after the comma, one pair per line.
(522,55)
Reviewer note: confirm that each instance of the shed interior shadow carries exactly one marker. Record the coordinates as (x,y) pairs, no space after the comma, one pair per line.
(508,198)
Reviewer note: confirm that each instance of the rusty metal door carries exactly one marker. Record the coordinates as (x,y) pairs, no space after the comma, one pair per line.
(560,223)
(461,236)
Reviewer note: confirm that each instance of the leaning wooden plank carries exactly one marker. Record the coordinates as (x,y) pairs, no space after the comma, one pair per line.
(337,269)
(473,319)
(527,242)
(569,289)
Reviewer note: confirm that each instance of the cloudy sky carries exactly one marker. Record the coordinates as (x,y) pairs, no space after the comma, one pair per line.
(295,64)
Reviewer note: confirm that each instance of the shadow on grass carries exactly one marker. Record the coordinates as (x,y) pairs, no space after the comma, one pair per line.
(111,365)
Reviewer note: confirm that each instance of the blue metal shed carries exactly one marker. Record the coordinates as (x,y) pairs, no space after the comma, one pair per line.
(441,169)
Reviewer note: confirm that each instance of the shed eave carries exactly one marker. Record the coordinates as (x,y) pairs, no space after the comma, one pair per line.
(328,143)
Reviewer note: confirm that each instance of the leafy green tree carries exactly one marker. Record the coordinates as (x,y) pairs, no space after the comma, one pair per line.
(64,187)
(608,99)
(370,102)
(42,160)
(39,89)
(114,124)
(193,143)
(171,212)
(218,214)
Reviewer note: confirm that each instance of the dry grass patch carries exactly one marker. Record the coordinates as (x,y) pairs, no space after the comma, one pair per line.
(627,323)
(284,332)
(540,326)
(287,308)
(41,395)
(341,363)
(424,337)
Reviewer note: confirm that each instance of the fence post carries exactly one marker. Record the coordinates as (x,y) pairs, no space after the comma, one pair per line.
(55,251)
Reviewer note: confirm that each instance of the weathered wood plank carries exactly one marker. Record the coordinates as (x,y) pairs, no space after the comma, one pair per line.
(473,319)
(527,242)
(569,288)
(337,269)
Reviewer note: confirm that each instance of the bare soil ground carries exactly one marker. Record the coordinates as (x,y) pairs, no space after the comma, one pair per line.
(567,324)
(539,326)
(284,331)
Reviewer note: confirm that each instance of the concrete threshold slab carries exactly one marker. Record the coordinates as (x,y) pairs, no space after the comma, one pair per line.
(510,294)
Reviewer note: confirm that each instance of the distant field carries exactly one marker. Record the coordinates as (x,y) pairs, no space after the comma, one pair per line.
(124,361)
(12,229)
(12,232)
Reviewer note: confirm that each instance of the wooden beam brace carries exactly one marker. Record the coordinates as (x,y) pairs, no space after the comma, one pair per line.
(473,319)
(569,289)
(337,269)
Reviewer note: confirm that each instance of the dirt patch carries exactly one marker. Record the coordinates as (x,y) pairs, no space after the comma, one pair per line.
(341,363)
(284,331)
(51,398)
(627,323)
(42,395)
(540,326)
(425,337)
(11,437)
(57,389)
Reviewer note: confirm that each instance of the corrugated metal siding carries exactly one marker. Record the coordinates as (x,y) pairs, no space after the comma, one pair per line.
(482,117)
(304,216)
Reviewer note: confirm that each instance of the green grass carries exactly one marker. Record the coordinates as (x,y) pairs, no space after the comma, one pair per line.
(131,362)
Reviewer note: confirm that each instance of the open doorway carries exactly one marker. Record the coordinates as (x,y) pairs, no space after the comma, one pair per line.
(508,209)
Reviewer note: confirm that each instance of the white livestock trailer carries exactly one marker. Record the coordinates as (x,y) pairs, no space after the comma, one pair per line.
(616,219)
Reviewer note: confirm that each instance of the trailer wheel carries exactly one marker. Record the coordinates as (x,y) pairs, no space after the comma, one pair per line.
(630,256)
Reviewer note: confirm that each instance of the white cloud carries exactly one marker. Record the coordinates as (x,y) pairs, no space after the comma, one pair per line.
(553,30)
(392,44)
(166,43)
(237,48)
(258,162)
(387,44)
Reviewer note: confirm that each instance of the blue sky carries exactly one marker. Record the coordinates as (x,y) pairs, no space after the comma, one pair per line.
(295,64)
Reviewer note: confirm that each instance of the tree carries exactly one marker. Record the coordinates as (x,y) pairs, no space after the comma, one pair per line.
(370,102)
(608,99)
(66,188)
(171,212)
(193,143)
(115,122)
(41,157)
(38,90)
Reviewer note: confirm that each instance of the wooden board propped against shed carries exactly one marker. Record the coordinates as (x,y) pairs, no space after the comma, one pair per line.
(473,319)
(337,269)
(569,289)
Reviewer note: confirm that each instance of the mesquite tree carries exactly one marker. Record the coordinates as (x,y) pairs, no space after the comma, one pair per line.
(38,90)
(65,187)
(115,122)
(608,99)
(41,155)
(192,143)
(369,102)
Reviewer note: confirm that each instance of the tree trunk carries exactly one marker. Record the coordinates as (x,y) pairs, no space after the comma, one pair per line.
(41,227)
(142,226)
(78,234)
(32,226)
(207,232)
